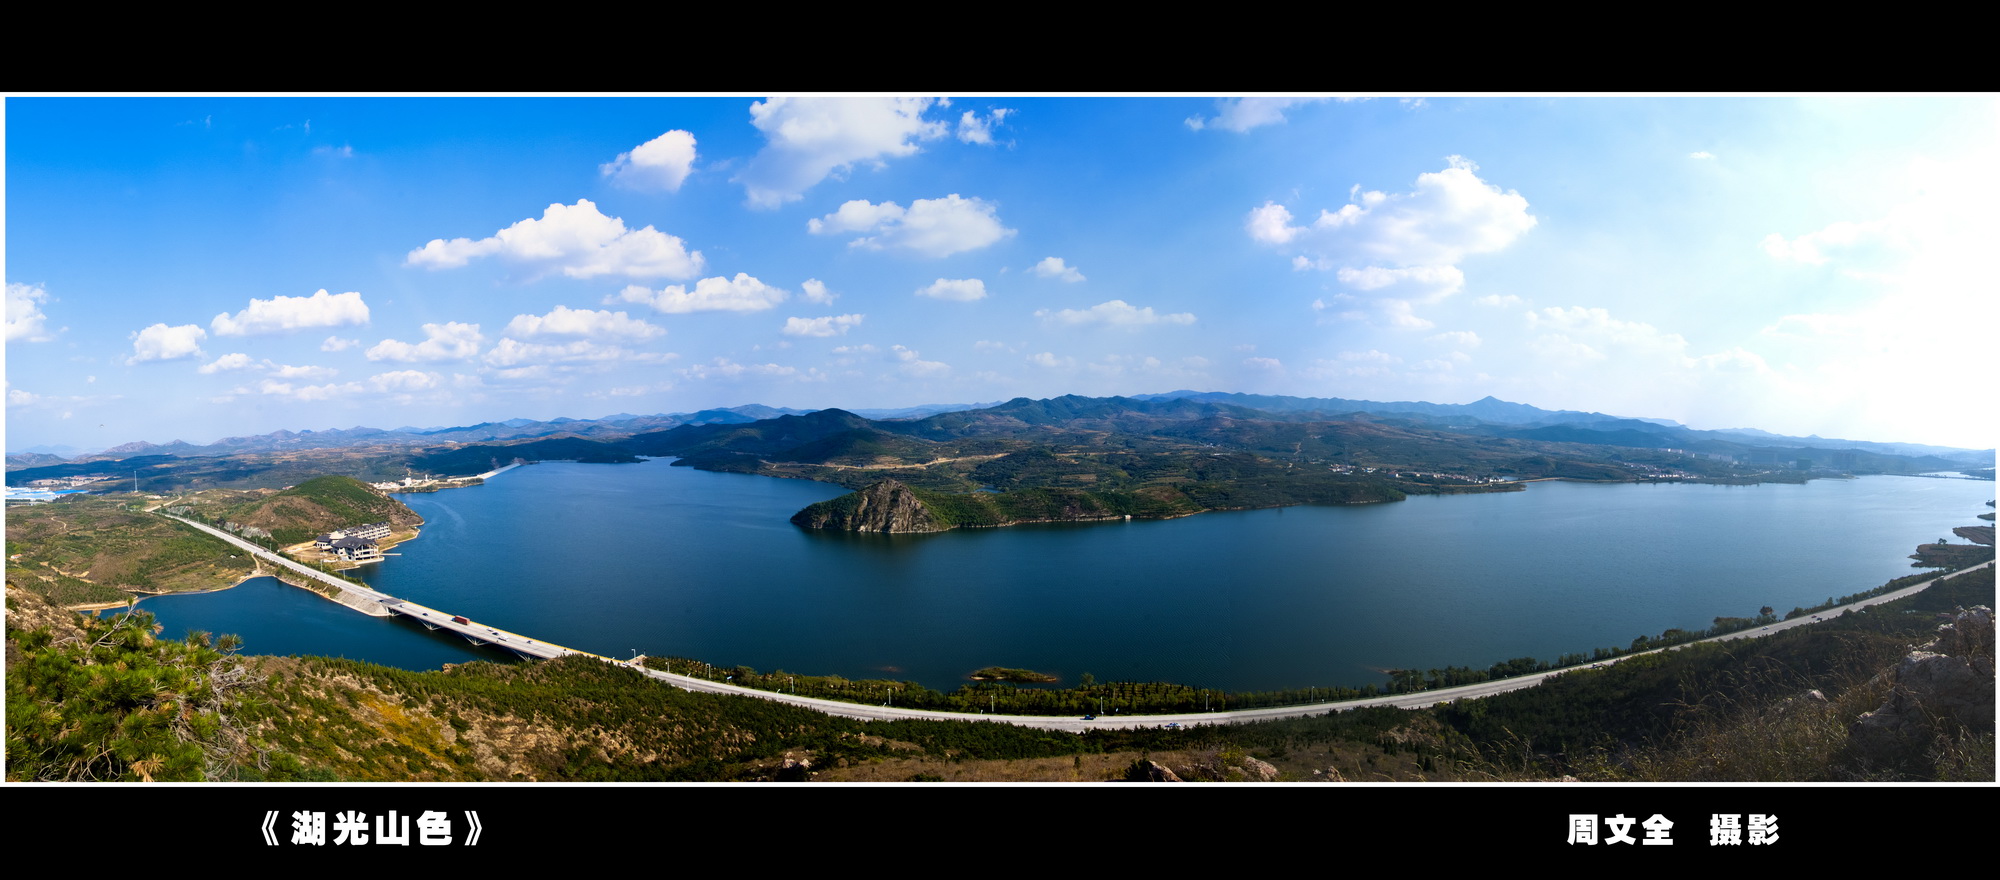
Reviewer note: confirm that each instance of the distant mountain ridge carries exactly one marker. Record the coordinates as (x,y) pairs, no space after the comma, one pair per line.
(1488,415)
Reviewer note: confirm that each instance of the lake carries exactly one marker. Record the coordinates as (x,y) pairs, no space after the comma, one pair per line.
(674,561)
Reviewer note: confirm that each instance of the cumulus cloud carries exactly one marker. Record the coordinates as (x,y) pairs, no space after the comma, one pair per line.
(807,139)
(1462,338)
(404,380)
(449,341)
(912,364)
(742,293)
(659,164)
(831,325)
(1701,154)
(962,290)
(930,227)
(1052,267)
(277,388)
(226,363)
(288,371)
(509,352)
(565,321)
(816,292)
(335,343)
(1402,248)
(1243,114)
(1114,313)
(1598,325)
(1271,224)
(724,368)
(163,343)
(577,240)
(24,313)
(1419,283)
(399,384)
(974,130)
(282,313)
(1451,214)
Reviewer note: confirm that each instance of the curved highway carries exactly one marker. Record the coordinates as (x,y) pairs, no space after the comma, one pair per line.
(370,601)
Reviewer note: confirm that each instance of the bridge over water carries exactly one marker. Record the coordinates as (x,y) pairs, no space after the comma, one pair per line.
(369,601)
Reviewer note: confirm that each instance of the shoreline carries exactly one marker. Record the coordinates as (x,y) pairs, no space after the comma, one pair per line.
(143,595)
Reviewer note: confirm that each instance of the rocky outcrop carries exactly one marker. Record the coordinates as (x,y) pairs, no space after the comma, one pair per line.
(886,506)
(1949,681)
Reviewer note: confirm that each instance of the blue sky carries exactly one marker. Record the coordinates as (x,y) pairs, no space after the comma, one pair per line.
(201,267)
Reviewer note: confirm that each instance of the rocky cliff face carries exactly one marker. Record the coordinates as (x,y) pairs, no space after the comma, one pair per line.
(887,506)
(1944,684)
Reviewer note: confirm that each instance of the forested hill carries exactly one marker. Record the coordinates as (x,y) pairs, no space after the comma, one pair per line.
(316,506)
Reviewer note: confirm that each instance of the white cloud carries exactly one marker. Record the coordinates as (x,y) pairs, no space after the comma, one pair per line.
(810,138)
(1384,312)
(914,365)
(404,380)
(510,352)
(227,362)
(163,343)
(1272,224)
(856,215)
(816,292)
(1264,363)
(742,293)
(962,290)
(1498,299)
(329,391)
(577,240)
(1243,114)
(832,325)
(17,397)
(1370,356)
(1597,325)
(1052,267)
(724,368)
(24,313)
(536,373)
(1417,283)
(444,342)
(1701,154)
(335,343)
(1402,248)
(287,371)
(974,130)
(1463,338)
(1048,359)
(1840,239)
(660,164)
(931,227)
(281,313)
(565,321)
(1114,313)
(398,384)
(1451,214)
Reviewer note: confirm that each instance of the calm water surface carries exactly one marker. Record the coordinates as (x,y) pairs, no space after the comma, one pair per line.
(667,560)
